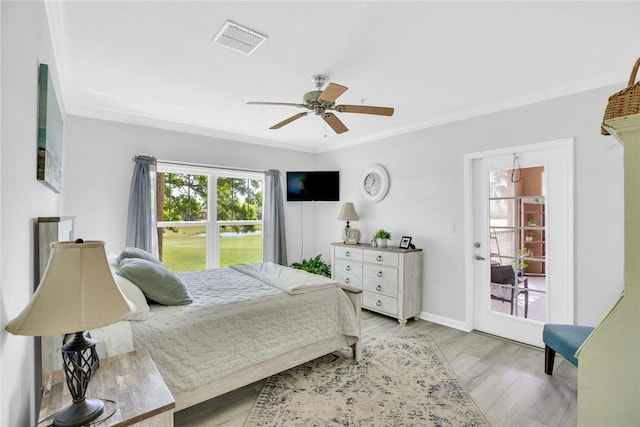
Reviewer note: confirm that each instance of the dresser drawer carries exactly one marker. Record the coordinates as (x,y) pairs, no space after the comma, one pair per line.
(348,253)
(381,257)
(380,303)
(379,272)
(349,279)
(381,287)
(348,272)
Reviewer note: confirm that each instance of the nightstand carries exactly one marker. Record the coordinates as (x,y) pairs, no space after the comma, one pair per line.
(131,380)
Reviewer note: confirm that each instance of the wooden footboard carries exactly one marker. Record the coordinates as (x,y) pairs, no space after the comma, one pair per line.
(355,295)
(260,371)
(268,368)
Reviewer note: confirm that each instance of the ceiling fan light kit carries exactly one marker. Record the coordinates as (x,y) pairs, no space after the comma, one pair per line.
(323,102)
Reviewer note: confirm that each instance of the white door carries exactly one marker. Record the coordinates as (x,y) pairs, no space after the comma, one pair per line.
(520,243)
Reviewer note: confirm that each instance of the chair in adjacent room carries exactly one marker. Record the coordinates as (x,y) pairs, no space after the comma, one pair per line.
(505,275)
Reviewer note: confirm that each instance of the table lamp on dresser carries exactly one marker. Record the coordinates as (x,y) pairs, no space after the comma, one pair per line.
(77,292)
(348,213)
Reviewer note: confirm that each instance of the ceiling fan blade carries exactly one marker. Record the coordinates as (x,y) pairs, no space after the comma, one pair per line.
(290,104)
(287,121)
(365,109)
(332,92)
(335,123)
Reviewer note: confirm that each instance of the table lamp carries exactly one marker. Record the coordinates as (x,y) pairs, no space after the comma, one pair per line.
(77,292)
(348,213)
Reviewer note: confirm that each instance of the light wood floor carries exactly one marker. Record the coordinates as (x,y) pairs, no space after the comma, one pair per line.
(505,379)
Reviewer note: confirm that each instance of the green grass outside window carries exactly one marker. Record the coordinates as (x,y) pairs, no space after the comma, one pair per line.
(185,250)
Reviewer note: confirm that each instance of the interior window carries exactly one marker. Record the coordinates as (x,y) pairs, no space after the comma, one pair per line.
(190,237)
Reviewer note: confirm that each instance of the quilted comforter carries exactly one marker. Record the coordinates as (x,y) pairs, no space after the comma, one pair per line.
(236,321)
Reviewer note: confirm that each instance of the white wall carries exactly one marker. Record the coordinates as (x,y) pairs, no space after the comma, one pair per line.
(425,199)
(426,196)
(98,168)
(25,44)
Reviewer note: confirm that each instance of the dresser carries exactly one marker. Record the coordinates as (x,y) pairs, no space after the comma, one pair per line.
(390,278)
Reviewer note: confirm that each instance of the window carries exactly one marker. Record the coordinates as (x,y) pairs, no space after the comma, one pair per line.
(189,236)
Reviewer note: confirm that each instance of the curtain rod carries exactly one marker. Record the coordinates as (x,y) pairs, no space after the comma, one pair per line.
(200,165)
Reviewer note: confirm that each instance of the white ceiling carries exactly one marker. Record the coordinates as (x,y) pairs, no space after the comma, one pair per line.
(154,62)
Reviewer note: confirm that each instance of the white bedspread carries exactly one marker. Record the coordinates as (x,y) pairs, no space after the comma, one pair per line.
(237,321)
(290,280)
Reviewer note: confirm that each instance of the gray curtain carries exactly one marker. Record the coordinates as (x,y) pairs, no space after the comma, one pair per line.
(274,241)
(141,221)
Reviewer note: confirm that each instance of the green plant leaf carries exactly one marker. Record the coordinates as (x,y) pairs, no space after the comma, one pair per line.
(314,265)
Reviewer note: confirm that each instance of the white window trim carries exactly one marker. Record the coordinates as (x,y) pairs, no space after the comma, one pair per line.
(212,248)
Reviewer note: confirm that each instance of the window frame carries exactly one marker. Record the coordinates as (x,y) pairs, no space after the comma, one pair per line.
(212,245)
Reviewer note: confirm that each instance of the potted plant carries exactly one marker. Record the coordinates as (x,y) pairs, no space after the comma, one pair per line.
(381,238)
(314,265)
(522,263)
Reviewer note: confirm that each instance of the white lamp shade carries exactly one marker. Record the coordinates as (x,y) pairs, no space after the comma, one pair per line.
(348,212)
(77,292)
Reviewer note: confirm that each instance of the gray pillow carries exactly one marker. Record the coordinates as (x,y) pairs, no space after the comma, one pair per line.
(132,252)
(156,282)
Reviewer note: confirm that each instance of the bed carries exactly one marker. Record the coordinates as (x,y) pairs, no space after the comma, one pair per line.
(244,323)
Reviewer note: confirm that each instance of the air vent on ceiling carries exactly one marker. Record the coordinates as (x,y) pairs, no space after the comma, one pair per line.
(239,38)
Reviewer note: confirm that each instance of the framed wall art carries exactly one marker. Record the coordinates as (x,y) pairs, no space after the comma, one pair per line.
(50,133)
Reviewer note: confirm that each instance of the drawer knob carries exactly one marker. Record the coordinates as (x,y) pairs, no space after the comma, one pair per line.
(379,274)
(378,303)
(347,253)
(348,268)
(379,258)
(378,288)
(346,280)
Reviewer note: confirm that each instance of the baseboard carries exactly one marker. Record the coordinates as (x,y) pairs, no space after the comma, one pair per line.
(445,321)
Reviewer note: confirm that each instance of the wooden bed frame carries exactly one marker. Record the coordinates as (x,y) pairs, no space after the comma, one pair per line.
(248,374)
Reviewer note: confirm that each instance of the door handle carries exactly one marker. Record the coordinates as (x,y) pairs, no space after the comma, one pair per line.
(479,258)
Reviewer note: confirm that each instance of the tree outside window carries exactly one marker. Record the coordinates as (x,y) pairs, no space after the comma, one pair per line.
(189,239)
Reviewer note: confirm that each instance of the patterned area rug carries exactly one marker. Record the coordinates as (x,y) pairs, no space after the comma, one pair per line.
(400,381)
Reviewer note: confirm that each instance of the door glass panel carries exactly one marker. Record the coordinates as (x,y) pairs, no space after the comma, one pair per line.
(517,242)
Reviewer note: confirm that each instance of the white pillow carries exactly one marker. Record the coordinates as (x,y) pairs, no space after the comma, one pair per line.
(135,295)
(113,260)
(113,339)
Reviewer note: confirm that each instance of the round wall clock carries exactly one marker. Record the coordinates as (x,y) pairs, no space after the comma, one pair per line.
(374,183)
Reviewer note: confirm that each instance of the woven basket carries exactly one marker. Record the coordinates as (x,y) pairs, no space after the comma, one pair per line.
(625,102)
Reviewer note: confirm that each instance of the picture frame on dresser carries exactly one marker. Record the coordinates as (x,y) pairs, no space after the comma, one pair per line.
(405,242)
(353,236)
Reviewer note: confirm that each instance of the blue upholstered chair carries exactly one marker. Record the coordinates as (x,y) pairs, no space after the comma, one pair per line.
(563,339)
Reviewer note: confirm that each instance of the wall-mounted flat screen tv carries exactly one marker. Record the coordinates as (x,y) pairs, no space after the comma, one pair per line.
(310,186)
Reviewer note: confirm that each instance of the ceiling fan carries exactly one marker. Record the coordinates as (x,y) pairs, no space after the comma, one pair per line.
(322,103)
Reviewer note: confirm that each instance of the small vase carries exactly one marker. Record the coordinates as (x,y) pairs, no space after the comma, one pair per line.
(382,243)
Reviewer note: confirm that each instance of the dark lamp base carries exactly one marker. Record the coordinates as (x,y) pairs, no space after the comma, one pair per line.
(79,413)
